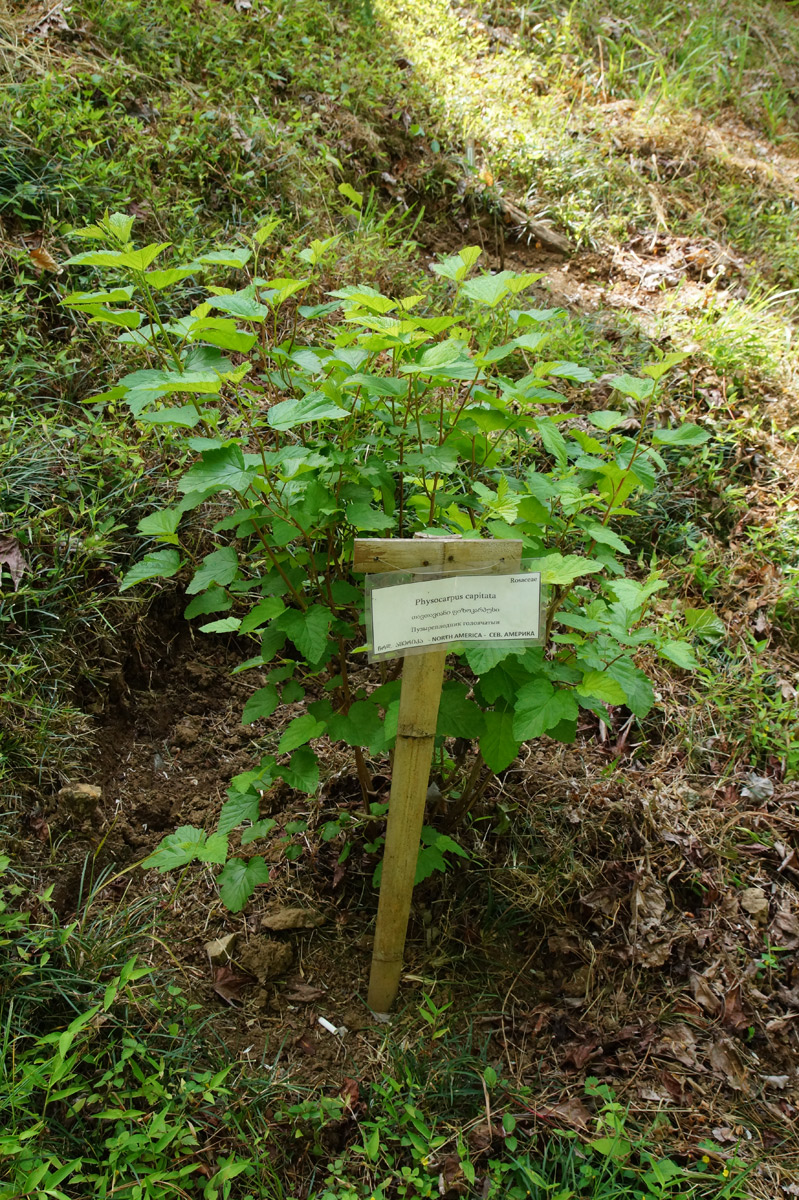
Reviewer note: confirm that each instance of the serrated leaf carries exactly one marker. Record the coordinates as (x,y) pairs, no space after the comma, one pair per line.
(638,693)
(258,830)
(498,746)
(214,849)
(429,859)
(114,296)
(287,414)
(683,435)
(220,567)
(229,256)
(540,707)
(565,568)
(222,469)
(302,772)
(123,318)
(161,564)
(443,842)
(239,879)
(361,725)
(457,715)
(566,370)
(260,705)
(629,385)
(264,611)
(177,849)
(441,459)
(222,333)
(265,232)
(578,621)
(553,439)
(165,278)
(242,305)
(599,685)
(272,640)
(469,255)
(95,258)
(633,594)
(656,370)
(162,524)
(453,268)
(299,732)
(139,260)
(680,653)
(215,599)
(242,806)
(223,625)
(606,419)
(183,416)
(365,517)
(308,630)
(484,657)
(605,537)
(488,289)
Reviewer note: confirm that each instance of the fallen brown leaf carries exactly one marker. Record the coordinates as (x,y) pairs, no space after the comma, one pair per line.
(784,930)
(678,1042)
(303,993)
(568,1112)
(480,1138)
(733,1015)
(674,1087)
(43,260)
(754,901)
(11,555)
(350,1093)
(228,985)
(726,1064)
(704,994)
(585,1053)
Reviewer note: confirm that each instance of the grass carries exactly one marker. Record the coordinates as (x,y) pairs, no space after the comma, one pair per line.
(71,491)
(109,1081)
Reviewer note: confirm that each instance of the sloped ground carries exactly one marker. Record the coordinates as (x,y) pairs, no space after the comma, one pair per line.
(632,909)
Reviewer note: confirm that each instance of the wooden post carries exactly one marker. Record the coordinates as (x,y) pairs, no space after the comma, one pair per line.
(420,696)
(422,677)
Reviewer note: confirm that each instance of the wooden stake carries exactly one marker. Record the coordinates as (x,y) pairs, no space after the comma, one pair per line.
(420,696)
(422,678)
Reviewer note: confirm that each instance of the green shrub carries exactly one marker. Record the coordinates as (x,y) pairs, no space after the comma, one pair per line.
(373,415)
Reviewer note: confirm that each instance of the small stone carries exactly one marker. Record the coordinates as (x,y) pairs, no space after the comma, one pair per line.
(186,733)
(220,950)
(292,918)
(266,959)
(80,799)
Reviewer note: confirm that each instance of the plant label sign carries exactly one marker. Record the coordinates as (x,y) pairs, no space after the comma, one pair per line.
(435,590)
(409,617)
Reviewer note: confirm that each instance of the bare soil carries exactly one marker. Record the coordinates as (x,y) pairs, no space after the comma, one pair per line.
(615,919)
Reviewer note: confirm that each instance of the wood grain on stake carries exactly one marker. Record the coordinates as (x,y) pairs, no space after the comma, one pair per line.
(437,554)
(420,696)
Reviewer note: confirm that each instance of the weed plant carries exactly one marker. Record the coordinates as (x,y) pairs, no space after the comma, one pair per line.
(107,1087)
